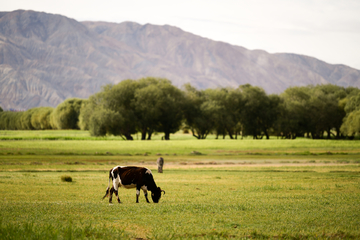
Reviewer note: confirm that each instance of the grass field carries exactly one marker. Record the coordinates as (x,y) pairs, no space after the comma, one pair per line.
(80,143)
(215,189)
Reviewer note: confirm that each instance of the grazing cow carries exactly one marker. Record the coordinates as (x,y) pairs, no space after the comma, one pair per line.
(133,177)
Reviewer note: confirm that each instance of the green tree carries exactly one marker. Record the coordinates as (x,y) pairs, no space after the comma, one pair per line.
(40,118)
(351,123)
(147,105)
(119,98)
(106,121)
(66,114)
(294,117)
(228,103)
(114,101)
(352,91)
(312,109)
(353,103)
(259,112)
(86,110)
(148,101)
(171,104)
(198,112)
(25,119)
(10,120)
(325,110)
(331,110)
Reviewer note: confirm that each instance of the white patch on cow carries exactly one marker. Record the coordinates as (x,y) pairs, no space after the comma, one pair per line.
(144,188)
(137,192)
(117,182)
(112,170)
(148,171)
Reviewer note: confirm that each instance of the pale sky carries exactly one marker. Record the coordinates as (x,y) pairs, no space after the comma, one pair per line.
(325,29)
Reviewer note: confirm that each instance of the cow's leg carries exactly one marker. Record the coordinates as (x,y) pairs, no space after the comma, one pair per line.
(117,195)
(111,193)
(137,194)
(116,190)
(116,183)
(145,193)
(112,190)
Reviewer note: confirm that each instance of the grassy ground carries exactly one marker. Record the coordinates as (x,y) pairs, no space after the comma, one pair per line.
(204,203)
(37,143)
(77,135)
(215,189)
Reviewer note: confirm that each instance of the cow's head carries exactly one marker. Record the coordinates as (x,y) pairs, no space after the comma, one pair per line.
(156,195)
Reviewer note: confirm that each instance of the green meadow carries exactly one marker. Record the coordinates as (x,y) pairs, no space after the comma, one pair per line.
(215,188)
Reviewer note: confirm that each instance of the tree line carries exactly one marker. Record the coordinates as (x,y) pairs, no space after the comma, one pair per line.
(150,105)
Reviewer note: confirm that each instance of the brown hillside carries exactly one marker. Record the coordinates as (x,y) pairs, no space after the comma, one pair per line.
(46,58)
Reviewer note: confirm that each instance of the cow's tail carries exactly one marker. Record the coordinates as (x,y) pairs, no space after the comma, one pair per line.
(108,188)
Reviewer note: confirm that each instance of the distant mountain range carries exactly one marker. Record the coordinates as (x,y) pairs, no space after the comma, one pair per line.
(46,58)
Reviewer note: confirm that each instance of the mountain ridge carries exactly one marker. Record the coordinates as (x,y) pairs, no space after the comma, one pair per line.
(46,58)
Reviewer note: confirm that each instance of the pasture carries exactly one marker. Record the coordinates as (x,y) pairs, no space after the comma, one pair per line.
(215,189)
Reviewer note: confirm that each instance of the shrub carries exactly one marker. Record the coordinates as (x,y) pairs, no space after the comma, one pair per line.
(66,178)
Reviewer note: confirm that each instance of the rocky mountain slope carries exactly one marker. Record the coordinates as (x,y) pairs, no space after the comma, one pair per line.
(46,58)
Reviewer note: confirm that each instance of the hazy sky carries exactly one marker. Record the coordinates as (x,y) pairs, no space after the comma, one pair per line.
(326,29)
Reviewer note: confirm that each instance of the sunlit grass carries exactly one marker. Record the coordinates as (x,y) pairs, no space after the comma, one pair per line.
(284,202)
(79,143)
(215,189)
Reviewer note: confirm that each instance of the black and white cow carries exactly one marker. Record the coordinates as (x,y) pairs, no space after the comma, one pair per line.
(133,177)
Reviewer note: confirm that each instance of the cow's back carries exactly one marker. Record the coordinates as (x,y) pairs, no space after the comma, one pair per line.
(132,175)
